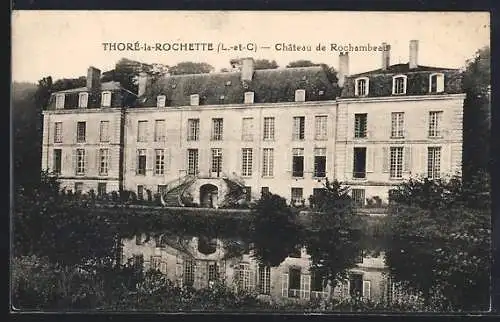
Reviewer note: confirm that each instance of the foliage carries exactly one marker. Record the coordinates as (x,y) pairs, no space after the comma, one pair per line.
(440,242)
(334,242)
(190,68)
(276,233)
(265,64)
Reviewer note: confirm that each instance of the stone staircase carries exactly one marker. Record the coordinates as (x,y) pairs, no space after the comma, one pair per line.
(172,197)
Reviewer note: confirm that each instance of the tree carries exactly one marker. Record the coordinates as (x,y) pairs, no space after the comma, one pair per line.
(191,68)
(441,242)
(276,234)
(477,115)
(334,242)
(265,64)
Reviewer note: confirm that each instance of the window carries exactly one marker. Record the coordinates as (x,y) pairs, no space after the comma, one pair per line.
(160,131)
(300,95)
(244,279)
(161,100)
(359,164)
(294,282)
(298,128)
(320,125)
(356,285)
(162,189)
(103,162)
(249,97)
(78,187)
(297,195)
(367,290)
(81,128)
(104,131)
(58,132)
(217,129)
(317,282)
(80,161)
(60,101)
(57,161)
(436,83)
(106,99)
(268,128)
(159,162)
(83,99)
(213,272)
(396,159)
(138,262)
(399,84)
(101,189)
(264,191)
(320,162)
(192,162)
(435,118)
(193,129)
(248,193)
(155,263)
(264,279)
(361,88)
(267,162)
(360,121)
(194,99)
(247,129)
(141,162)
(397,124)
(433,162)
(140,192)
(188,276)
(298,162)
(246,162)
(217,161)
(142,131)
(358,197)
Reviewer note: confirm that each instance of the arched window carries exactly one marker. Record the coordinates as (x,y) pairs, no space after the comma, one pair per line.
(399,84)
(361,86)
(436,83)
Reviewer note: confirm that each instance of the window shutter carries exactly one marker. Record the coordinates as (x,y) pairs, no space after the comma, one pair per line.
(167,159)
(349,162)
(97,159)
(366,290)
(179,272)
(423,160)
(253,276)
(370,159)
(305,286)
(385,159)
(440,83)
(407,166)
(284,285)
(150,159)
(73,161)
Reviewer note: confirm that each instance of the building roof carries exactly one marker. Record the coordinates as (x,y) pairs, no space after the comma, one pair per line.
(268,85)
(107,86)
(403,68)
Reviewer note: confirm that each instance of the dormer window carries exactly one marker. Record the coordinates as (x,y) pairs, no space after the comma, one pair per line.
(249,96)
(436,83)
(399,85)
(195,99)
(361,86)
(59,101)
(106,99)
(160,100)
(83,99)
(300,95)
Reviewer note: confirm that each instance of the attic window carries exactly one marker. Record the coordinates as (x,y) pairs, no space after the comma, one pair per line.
(222,97)
(59,101)
(106,99)
(160,100)
(195,99)
(83,99)
(300,95)
(361,87)
(321,92)
(399,84)
(249,97)
(436,83)
(174,85)
(228,83)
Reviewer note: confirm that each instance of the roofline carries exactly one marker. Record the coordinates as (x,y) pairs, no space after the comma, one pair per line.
(379,71)
(400,98)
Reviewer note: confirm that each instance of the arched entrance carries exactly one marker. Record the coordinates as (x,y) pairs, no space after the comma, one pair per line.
(208,195)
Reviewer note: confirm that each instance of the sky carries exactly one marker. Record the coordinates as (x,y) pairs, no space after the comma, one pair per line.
(63,44)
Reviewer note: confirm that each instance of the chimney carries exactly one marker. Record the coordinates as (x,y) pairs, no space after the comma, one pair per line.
(247,69)
(343,68)
(143,83)
(386,56)
(93,79)
(413,62)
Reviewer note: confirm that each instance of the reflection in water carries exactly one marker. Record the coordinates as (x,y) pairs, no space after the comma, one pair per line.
(200,261)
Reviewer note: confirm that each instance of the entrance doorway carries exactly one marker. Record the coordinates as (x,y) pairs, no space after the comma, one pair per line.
(208,195)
